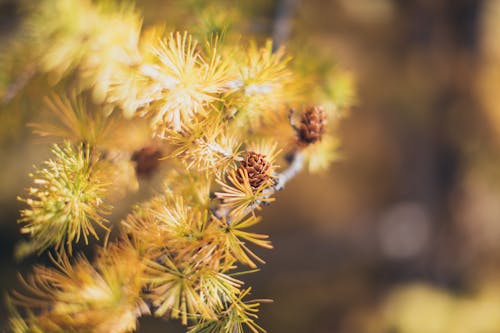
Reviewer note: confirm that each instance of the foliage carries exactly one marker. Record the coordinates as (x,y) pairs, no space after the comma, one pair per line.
(65,202)
(218,109)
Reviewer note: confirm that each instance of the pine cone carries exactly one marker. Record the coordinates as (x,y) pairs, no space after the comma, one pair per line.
(312,125)
(147,160)
(257,168)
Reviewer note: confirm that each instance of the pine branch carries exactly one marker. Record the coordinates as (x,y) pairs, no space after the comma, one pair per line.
(19,84)
(293,169)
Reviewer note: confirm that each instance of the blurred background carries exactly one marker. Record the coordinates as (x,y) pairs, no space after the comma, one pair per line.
(402,235)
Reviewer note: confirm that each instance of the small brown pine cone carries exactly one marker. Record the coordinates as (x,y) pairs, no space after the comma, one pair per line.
(312,125)
(147,160)
(257,168)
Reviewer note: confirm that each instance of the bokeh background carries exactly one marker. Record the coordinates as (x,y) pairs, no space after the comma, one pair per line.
(403,233)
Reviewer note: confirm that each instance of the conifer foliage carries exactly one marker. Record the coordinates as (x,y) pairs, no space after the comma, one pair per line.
(214,112)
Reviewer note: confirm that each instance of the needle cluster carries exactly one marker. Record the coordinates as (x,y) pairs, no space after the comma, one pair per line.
(207,120)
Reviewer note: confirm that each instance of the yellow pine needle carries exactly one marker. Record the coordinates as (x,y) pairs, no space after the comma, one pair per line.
(237,316)
(231,237)
(320,155)
(174,291)
(104,297)
(206,147)
(209,101)
(239,198)
(186,81)
(65,202)
(75,122)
